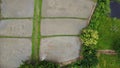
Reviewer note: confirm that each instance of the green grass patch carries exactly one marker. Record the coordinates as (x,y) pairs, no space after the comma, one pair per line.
(109,30)
(108,61)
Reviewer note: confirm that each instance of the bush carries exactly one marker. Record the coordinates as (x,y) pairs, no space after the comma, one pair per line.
(89,37)
(89,57)
(41,64)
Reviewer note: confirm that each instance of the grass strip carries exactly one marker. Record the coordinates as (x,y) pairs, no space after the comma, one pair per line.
(64,18)
(7,18)
(36,35)
(59,36)
(13,37)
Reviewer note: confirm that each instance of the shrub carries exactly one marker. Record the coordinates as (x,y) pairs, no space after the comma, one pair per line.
(89,37)
(89,57)
(41,64)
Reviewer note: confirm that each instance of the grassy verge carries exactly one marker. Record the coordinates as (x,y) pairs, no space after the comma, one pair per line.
(108,61)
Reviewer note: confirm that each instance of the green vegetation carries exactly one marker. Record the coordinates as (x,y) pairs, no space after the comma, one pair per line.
(89,37)
(89,57)
(41,64)
(36,31)
(108,61)
(108,28)
(116,46)
(89,60)
(109,31)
